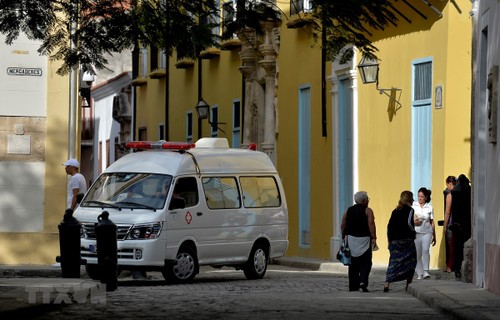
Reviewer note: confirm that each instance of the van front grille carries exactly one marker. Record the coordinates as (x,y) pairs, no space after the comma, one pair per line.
(88,229)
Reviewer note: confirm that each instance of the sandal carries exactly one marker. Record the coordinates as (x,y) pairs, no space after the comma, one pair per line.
(386,287)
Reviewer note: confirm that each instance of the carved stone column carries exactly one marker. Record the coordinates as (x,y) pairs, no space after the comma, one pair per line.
(268,63)
(247,68)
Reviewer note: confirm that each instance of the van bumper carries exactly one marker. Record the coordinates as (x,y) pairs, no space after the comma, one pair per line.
(130,252)
(278,248)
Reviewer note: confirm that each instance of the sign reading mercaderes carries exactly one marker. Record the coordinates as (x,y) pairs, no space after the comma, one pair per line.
(17,71)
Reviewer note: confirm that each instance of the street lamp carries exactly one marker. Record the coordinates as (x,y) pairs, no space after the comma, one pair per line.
(368,70)
(202,109)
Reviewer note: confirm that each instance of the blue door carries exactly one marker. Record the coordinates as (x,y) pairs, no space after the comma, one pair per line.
(421,125)
(304,166)
(345,142)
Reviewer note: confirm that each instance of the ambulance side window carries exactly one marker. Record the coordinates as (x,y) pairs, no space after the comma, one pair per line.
(221,192)
(187,189)
(260,192)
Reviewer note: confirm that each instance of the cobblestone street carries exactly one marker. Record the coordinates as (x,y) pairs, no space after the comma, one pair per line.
(284,293)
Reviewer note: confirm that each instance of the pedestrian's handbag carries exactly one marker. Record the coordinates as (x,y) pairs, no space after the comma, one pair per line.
(344,254)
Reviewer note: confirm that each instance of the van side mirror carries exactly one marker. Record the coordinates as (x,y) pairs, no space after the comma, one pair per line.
(177,203)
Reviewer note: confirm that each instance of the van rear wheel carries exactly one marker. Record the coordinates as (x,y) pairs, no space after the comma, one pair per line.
(256,266)
(183,269)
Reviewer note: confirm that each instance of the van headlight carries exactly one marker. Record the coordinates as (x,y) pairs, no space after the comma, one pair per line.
(145,231)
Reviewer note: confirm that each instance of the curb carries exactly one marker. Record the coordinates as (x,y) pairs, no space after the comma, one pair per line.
(30,271)
(321,265)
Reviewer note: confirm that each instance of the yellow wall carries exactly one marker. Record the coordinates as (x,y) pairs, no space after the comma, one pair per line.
(385,137)
(221,84)
(300,65)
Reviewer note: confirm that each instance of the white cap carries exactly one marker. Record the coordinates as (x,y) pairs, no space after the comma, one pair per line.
(72,162)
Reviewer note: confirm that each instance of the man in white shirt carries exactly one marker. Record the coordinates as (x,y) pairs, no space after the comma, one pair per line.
(76,184)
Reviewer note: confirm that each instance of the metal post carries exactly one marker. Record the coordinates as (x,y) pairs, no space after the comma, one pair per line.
(69,242)
(72,86)
(107,256)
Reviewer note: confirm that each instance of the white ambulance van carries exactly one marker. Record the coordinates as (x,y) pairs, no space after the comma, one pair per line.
(178,206)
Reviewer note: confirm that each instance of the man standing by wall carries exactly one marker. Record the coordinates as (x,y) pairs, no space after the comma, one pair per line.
(77,186)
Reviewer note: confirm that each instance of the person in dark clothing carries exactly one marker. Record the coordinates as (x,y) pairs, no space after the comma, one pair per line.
(451,181)
(458,220)
(358,229)
(401,239)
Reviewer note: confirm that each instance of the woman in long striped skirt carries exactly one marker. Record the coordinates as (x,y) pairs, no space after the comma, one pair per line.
(401,236)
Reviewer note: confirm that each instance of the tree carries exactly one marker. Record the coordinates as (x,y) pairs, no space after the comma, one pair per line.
(337,24)
(106,26)
(347,24)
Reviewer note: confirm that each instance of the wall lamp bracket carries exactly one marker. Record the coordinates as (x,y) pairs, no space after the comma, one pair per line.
(202,109)
(394,95)
(368,70)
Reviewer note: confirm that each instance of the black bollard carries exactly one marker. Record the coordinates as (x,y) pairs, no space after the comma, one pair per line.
(69,243)
(107,258)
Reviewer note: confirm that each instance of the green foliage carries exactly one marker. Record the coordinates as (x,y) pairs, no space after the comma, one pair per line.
(347,23)
(247,14)
(107,27)
(184,26)
(34,18)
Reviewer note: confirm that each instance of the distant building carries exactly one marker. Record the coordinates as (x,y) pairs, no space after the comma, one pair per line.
(33,145)
(111,118)
(34,139)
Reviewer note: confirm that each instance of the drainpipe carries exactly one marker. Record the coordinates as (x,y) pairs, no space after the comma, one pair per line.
(72,85)
(323,78)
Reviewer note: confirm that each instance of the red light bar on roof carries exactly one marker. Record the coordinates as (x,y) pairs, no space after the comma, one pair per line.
(170,145)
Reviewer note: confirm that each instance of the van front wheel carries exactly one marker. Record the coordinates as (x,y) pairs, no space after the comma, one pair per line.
(183,269)
(256,266)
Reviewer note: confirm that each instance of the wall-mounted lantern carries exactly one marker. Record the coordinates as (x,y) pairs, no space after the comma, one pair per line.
(368,70)
(86,80)
(202,109)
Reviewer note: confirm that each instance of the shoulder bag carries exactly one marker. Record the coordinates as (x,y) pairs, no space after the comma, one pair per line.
(344,254)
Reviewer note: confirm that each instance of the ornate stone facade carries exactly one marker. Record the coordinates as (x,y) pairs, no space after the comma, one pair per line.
(260,71)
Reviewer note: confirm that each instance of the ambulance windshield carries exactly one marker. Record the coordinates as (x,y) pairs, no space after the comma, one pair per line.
(129,190)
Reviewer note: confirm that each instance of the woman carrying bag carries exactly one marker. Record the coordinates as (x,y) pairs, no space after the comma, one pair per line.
(359,231)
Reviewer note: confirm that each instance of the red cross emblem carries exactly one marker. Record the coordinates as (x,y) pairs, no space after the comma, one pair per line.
(188,217)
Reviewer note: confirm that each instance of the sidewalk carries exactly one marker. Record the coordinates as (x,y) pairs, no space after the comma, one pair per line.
(456,299)
(26,290)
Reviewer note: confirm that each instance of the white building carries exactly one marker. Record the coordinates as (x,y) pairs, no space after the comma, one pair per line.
(111,121)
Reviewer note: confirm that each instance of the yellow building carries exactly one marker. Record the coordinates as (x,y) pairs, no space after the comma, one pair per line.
(425,138)
(329,134)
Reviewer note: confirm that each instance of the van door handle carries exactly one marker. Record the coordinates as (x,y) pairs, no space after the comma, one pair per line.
(199,213)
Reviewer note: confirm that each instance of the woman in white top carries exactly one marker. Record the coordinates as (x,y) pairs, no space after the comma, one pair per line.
(426,232)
